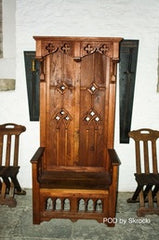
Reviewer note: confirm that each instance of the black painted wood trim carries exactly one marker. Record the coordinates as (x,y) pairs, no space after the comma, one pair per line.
(127,75)
(32,67)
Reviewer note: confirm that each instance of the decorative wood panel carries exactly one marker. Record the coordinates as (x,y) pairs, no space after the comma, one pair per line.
(82,205)
(127,75)
(62,110)
(92,111)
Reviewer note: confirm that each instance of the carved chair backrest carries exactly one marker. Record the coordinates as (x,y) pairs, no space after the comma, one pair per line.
(9,143)
(146,150)
(77,100)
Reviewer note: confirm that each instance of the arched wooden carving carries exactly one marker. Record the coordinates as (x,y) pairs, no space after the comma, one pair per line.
(69,48)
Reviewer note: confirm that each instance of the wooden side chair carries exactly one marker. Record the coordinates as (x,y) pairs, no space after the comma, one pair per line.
(9,148)
(147,176)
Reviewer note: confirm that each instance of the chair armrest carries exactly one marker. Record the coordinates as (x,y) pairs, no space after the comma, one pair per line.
(114,157)
(38,155)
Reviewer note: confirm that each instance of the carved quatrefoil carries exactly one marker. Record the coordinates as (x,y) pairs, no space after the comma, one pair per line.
(89,49)
(51,48)
(104,49)
(65,48)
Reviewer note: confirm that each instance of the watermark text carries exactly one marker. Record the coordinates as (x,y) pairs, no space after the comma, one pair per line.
(127,220)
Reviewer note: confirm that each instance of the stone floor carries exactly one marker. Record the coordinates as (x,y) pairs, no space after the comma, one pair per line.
(16,224)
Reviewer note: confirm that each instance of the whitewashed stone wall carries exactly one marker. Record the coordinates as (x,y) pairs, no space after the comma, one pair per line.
(120,18)
(8,46)
(1,50)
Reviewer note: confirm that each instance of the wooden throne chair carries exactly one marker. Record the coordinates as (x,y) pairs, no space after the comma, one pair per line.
(75,169)
(9,168)
(147,176)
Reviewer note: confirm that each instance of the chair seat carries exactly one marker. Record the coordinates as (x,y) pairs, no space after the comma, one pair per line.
(145,179)
(75,180)
(10,171)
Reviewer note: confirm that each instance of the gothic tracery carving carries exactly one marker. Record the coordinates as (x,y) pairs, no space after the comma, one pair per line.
(92,116)
(104,49)
(87,49)
(62,116)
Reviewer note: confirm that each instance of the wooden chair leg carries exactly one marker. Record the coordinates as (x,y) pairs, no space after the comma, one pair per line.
(157,198)
(11,200)
(147,190)
(150,200)
(3,192)
(154,192)
(4,200)
(141,197)
(18,189)
(135,197)
(0,185)
(7,183)
(140,212)
(147,198)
